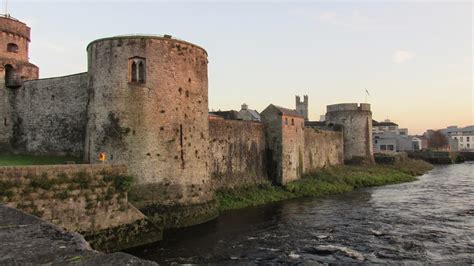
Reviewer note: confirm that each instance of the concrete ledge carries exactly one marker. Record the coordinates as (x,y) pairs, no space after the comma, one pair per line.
(26,239)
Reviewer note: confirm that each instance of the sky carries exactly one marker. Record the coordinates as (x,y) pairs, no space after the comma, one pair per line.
(414,57)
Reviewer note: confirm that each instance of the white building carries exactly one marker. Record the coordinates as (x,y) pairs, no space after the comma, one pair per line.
(248,114)
(460,139)
(387,137)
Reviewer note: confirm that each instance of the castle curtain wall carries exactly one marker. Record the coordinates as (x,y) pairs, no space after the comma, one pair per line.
(322,149)
(237,151)
(49,116)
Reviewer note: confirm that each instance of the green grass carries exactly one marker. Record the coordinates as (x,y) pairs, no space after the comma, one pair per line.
(325,182)
(20,160)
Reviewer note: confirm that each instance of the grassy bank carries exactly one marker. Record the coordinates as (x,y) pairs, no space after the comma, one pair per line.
(19,160)
(325,182)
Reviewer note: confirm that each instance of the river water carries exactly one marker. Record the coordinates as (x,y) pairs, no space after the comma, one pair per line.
(427,221)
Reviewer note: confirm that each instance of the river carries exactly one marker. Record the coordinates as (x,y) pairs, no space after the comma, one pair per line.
(427,221)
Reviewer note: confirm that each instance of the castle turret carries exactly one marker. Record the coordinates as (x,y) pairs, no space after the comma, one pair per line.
(15,68)
(302,106)
(148,109)
(14,41)
(356,121)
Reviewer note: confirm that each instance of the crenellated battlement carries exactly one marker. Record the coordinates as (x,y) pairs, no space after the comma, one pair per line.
(14,26)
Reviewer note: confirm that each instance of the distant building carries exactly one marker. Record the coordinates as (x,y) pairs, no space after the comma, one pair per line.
(315,124)
(230,115)
(248,114)
(215,117)
(460,139)
(387,137)
(245,114)
(302,106)
(388,126)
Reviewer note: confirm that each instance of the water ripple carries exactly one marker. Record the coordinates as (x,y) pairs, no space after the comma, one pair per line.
(427,221)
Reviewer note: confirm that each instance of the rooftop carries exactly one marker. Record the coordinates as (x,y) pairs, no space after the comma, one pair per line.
(383,124)
(286,111)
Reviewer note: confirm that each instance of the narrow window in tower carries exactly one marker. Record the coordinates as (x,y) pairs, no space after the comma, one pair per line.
(137,70)
(134,72)
(141,72)
(12,48)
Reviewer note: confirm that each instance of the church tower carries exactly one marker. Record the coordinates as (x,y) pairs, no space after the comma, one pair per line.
(302,106)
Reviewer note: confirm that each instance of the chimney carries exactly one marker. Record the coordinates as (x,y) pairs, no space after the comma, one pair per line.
(244,106)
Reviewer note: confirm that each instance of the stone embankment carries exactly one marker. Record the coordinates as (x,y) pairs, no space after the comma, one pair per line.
(26,239)
(88,199)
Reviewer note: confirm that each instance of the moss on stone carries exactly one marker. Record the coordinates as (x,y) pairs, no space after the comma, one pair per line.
(177,216)
(121,183)
(125,236)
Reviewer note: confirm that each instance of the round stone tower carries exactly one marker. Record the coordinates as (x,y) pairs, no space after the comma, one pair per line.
(356,121)
(148,109)
(14,69)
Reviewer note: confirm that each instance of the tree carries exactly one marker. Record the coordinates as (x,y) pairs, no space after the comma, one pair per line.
(437,141)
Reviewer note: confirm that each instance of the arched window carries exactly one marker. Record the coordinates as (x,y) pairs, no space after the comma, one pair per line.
(137,70)
(134,72)
(141,72)
(13,48)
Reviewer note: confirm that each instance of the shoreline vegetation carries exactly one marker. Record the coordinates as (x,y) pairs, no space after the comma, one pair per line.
(8,159)
(333,180)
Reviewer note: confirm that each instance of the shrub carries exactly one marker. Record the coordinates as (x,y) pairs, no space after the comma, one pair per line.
(5,188)
(42,182)
(82,179)
(121,182)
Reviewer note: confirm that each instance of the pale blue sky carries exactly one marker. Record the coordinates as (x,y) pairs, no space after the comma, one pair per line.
(415,58)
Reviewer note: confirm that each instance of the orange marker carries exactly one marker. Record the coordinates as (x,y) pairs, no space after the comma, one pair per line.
(102,157)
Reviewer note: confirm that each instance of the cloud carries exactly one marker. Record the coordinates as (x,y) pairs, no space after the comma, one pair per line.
(400,56)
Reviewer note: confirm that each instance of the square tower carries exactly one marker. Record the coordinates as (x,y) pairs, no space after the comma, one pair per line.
(302,106)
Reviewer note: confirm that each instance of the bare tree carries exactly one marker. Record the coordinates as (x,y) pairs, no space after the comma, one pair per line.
(437,141)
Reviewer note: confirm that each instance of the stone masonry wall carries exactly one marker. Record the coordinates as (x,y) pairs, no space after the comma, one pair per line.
(356,121)
(13,31)
(292,148)
(49,116)
(322,149)
(273,133)
(5,117)
(159,127)
(237,150)
(90,199)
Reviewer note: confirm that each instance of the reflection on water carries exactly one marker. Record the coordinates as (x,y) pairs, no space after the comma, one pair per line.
(430,220)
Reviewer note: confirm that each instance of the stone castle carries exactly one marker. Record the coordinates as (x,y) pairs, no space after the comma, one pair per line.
(144,103)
